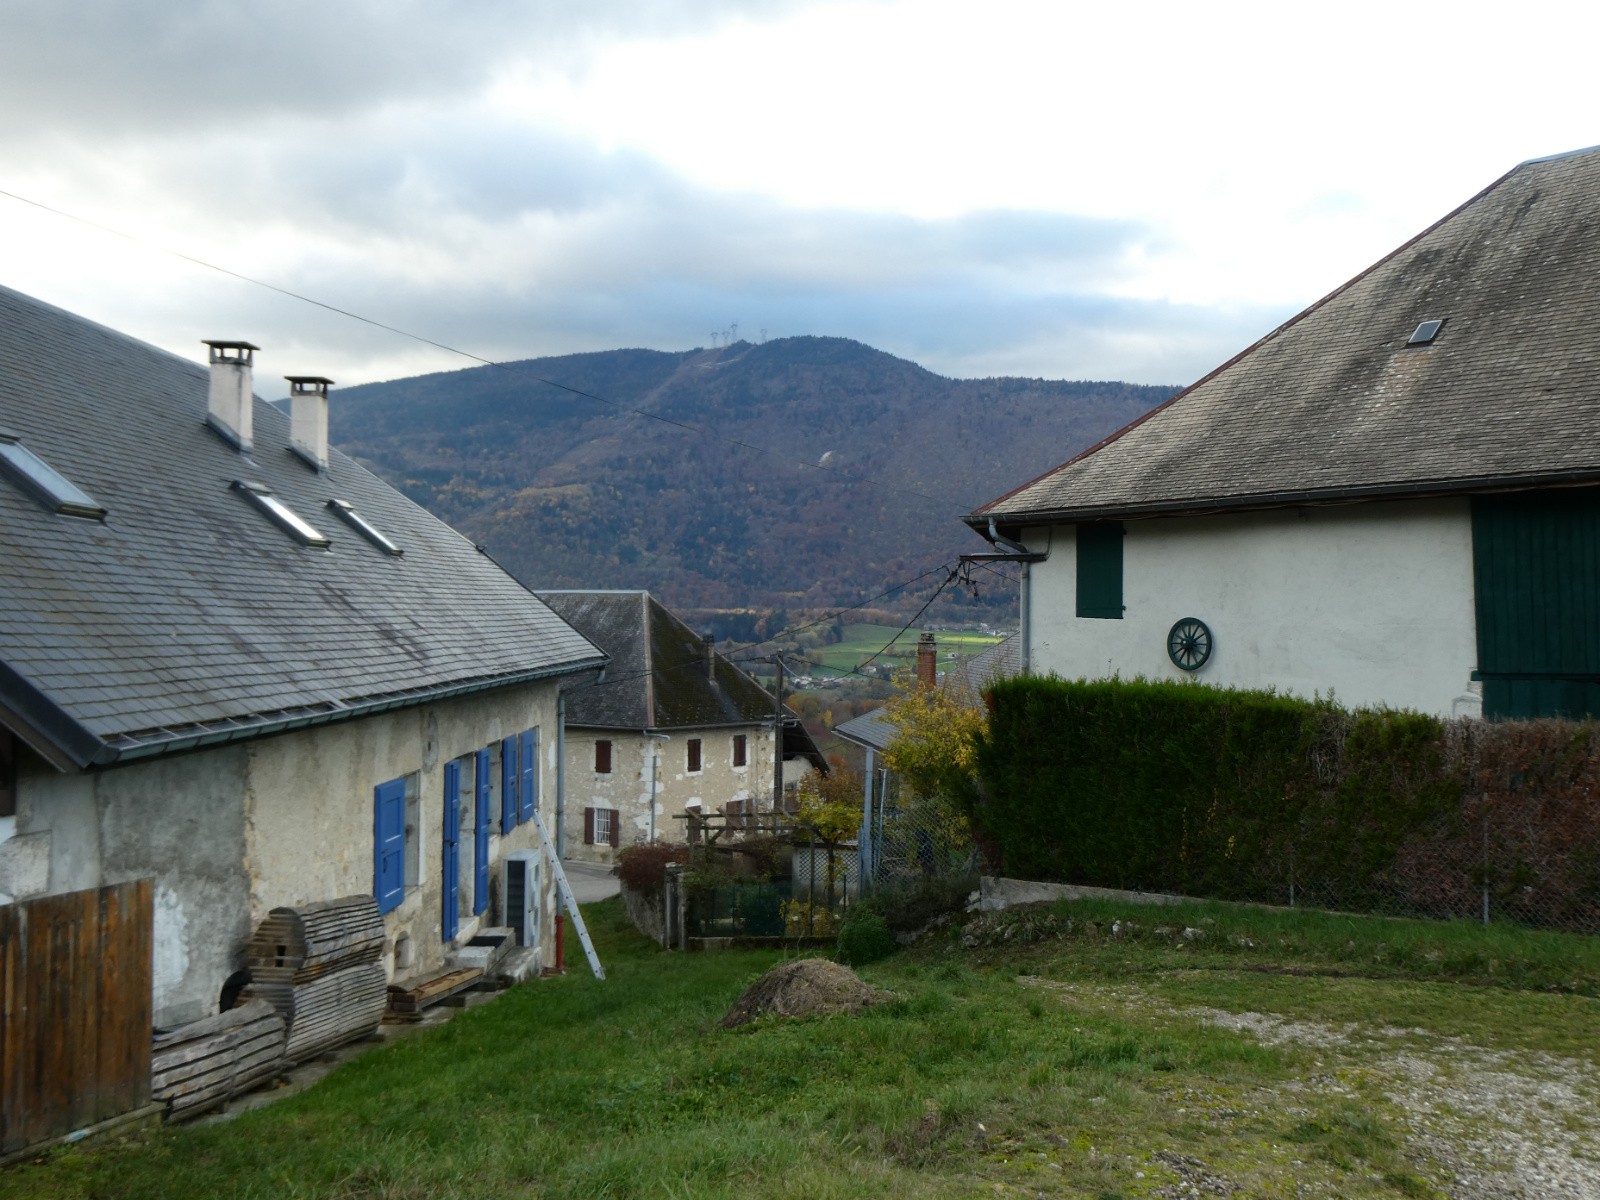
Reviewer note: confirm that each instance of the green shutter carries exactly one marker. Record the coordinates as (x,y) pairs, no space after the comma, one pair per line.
(1100,570)
(1536,569)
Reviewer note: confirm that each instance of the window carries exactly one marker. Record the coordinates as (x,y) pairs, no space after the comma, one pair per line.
(1424,334)
(601,827)
(280,514)
(396,847)
(365,528)
(602,758)
(741,750)
(694,754)
(35,475)
(1100,570)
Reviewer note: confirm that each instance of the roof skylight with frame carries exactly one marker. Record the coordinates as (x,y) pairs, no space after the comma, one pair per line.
(1424,334)
(44,482)
(347,513)
(280,514)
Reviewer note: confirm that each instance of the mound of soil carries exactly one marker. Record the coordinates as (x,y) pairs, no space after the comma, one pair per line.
(803,987)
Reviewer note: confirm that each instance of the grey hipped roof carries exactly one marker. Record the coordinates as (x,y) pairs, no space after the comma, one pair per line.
(1333,405)
(1003,660)
(656,678)
(187,617)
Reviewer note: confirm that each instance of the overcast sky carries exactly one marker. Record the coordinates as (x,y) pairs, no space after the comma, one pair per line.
(1015,187)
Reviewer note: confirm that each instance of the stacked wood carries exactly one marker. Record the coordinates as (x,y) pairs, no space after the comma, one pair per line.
(199,1065)
(319,967)
(409,1002)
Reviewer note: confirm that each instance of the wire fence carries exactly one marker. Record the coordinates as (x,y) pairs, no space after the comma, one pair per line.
(911,841)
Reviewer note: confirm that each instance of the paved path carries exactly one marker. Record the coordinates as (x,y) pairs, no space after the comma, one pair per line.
(591,881)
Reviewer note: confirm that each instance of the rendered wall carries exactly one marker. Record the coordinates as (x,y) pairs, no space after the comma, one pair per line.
(310,806)
(178,821)
(1373,602)
(627,787)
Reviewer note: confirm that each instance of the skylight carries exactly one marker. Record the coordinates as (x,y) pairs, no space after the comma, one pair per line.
(365,528)
(47,484)
(280,513)
(1426,332)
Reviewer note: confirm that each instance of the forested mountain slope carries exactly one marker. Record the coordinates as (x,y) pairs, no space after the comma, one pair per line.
(568,491)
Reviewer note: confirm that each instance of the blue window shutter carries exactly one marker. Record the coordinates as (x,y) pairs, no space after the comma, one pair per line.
(389,844)
(452,848)
(480,837)
(530,772)
(508,784)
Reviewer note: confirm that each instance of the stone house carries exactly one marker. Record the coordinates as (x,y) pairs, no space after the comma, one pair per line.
(669,728)
(1393,497)
(234,661)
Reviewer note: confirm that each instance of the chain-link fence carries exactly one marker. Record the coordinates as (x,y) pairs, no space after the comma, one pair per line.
(918,856)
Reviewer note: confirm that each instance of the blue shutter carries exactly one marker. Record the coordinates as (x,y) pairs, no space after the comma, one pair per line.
(389,844)
(452,847)
(480,837)
(530,773)
(508,784)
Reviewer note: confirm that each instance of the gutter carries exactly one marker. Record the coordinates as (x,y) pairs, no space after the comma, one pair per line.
(168,741)
(1473,485)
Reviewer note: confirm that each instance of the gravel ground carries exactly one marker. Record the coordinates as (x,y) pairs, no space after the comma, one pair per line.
(1484,1124)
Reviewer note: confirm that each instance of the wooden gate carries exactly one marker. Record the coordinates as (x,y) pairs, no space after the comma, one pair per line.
(75,1010)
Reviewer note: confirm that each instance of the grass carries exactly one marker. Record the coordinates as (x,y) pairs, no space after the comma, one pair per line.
(862,641)
(1052,1062)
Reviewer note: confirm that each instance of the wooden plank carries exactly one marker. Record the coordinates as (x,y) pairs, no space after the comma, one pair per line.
(431,991)
(127,974)
(10,1023)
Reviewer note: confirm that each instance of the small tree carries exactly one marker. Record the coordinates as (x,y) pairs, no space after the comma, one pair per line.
(935,750)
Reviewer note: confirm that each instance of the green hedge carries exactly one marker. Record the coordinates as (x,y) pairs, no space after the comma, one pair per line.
(1209,792)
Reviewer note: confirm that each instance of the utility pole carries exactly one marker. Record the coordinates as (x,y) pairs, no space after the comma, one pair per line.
(777,740)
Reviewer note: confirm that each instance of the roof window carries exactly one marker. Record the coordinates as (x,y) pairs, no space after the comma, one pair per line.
(365,528)
(280,514)
(44,482)
(1426,332)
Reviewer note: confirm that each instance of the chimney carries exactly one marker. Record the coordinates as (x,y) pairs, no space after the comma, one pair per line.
(232,406)
(308,418)
(927,663)
(709,642)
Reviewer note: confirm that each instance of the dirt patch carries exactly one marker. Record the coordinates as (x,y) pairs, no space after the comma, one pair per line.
(803,987)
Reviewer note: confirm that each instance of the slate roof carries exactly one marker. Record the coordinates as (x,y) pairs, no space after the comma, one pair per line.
(872,730)
(657,675)
(1003,660)
(1333,405)
(187,617)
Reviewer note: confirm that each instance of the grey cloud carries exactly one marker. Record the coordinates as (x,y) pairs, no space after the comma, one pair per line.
(105,67)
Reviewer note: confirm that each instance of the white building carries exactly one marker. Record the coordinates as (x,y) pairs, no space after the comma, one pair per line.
(671,728)
(236,663)
(1392,497)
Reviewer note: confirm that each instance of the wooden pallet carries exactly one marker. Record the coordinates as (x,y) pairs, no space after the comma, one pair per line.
(406,1001)
(199,1065)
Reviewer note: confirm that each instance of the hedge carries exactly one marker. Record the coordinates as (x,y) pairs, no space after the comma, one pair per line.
(1235,794)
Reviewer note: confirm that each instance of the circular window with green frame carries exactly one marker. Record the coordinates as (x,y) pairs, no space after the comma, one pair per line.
(1189,644)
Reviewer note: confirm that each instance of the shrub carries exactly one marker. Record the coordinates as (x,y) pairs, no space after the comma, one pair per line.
(643,868)
(864,938)
(907,905)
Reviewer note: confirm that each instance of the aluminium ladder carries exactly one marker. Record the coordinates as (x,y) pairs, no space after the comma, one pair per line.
(567,899)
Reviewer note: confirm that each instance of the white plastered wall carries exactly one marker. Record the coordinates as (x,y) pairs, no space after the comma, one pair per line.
(627,787)
(309,827)
(1372,602)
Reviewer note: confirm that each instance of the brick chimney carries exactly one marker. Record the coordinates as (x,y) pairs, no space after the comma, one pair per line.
(927,663)
(231,406)
(308,418)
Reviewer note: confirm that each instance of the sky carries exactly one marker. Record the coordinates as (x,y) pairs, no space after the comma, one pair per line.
(1016,187)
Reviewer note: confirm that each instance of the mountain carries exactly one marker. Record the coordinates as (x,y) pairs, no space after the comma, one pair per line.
(571,491)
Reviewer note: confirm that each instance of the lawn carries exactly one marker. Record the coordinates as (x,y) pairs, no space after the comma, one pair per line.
(862,641)
(1056,1052)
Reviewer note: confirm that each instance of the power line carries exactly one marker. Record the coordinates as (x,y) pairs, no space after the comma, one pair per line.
(701,430)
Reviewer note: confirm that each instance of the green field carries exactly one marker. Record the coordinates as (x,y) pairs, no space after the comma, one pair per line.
(1087,1050)
(862,641)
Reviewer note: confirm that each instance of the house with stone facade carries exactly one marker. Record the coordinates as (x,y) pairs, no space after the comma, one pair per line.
(236,663)
(1394,497)
(669,729)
